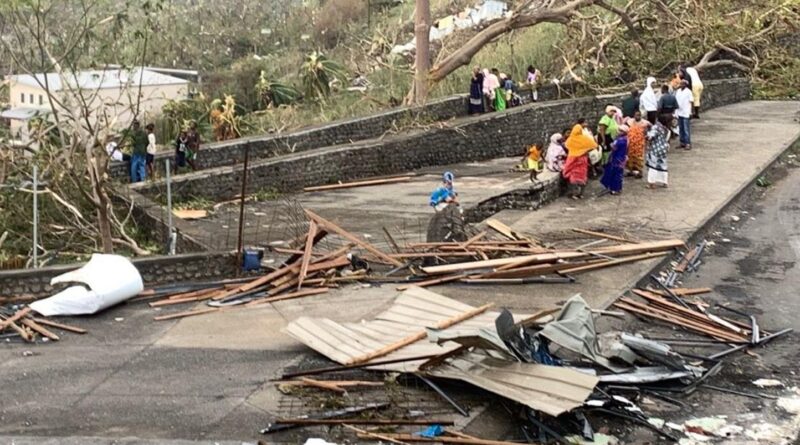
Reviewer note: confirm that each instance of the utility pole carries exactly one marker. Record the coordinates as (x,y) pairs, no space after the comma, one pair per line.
(240,243)
(422,30)
(35,216)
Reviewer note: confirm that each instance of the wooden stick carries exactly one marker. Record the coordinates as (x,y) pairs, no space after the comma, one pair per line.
(21,331)
(432,255)
(440,439)
(301,421)
(340,383)
(368,435)
(61,326)
(413,338)
(185,314)
(684,291)
(604,235)
(431,282)
(456,244)
(40,329)
(17,315)
(628,304)
(323,385)
(322,222)
(391,240)
(345,185)
(631,259)
(474,239)
(504,230)
(306,258)
(537,270)
(298,294)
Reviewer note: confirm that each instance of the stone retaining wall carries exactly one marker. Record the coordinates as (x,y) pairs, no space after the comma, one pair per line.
(156,270)
(527,198)
(231,152)
(472,138)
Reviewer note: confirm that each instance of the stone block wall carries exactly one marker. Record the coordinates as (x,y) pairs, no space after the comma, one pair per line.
(531,197)
(219,154)
(156,270)
(473,138)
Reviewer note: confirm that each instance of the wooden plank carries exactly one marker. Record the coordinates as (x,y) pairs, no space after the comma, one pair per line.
(433,255)
(684,262)
(627,303)
(440,439)
(306,258)
(21,331)
(473,240)
(330,386)
(345,185)
(185,314)
(327,225)
(17,315)
(490,264)
(678,309)
(431,282)
(610,263)
(444,324)
(503,229)
(190,214)
(64,327)
(604,235)
(298,294)
(684,291)
(457,244)
(536,270)
(40,329)
(390,240)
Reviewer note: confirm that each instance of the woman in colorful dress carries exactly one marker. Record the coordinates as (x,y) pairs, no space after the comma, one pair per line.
(615,168)
(657,148)
(637,142)
(576,169)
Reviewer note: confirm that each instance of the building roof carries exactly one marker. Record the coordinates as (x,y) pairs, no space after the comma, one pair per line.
(100,79)
(21,113)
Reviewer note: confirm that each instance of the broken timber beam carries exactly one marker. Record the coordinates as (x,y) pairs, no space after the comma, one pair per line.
(345,185)
(306,258)
(604,235)
(439,439)
(64,327)
(17,315)
(329,226)
(610,263)
(185,314)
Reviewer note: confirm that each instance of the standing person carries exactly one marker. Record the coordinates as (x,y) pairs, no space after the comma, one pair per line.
(649,101)
(490,85)
(607,130)
(533,82)
(138,140)
(193,145)
(656,158)
(696,85)
(556,154)
(637,142)
(499,92)
(630,104)
(684,98)
(667,104)
(150,158)
(576,169)
(615,168)
(476,91)
(181,149)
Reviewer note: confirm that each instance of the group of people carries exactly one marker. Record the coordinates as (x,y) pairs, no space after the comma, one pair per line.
(491,90)
(141,143)
(628,138)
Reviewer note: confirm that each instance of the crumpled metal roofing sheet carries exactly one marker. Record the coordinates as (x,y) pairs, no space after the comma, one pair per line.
(550,389)
(412,311)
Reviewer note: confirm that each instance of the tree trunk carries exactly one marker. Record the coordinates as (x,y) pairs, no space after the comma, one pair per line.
(519,19)
(102,202)
(422,30)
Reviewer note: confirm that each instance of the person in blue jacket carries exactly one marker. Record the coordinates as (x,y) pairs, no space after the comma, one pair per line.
(445,193)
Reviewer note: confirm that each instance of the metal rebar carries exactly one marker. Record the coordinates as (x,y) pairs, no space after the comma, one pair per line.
(444,395)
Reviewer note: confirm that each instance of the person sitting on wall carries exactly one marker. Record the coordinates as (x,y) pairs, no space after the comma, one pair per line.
(445,193)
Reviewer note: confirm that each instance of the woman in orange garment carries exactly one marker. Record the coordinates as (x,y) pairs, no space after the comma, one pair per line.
(576,169)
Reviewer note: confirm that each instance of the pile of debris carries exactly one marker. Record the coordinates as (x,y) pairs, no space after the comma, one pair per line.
(496,255)
(19,322)
(557,369)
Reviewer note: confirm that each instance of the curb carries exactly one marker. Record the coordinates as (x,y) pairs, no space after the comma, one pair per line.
(708,222)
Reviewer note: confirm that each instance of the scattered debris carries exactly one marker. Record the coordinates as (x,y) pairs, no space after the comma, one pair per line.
(764,383)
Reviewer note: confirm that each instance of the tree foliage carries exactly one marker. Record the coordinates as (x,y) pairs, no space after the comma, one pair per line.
(318,72)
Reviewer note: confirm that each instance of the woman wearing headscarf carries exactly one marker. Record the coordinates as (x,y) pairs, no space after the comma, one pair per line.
(615,168)
(490,85)
(649,100)
(637,142)
(607,130)
(576,169)
(555,154)
(656,158)
(476,92)
(499,92)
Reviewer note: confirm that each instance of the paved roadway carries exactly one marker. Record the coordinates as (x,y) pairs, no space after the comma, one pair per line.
(204,378)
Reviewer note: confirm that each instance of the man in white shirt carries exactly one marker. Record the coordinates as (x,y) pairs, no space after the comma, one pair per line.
(684,97)
(151,150)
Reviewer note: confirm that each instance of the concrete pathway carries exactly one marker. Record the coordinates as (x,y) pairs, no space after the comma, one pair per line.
(205,378)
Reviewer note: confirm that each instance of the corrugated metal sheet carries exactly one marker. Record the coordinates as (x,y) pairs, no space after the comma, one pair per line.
(412,311)
(550,389)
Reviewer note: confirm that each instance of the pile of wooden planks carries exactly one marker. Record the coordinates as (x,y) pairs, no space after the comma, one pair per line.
(691,315)
(23,324)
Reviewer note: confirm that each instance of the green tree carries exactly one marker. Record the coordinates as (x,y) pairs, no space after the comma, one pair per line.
(318,72)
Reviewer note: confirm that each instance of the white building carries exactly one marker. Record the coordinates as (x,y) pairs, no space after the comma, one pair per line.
(111,93)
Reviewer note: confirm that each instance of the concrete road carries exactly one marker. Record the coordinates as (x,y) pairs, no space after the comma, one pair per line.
(205,378)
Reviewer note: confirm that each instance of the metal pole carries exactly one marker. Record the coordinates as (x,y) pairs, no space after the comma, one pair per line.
(171,230)
(35,216)
(240,244)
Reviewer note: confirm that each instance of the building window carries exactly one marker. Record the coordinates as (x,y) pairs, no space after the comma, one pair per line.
(41,100)
(30,96)
(22,97)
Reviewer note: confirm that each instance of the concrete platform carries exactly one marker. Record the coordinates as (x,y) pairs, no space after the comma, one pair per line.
(205,378)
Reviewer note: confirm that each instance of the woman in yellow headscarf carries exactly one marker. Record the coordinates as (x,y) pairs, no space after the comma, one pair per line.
(576,169)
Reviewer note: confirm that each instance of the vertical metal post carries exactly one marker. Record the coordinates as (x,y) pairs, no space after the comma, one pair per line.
(35,216)
(240,244)
(170,228)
